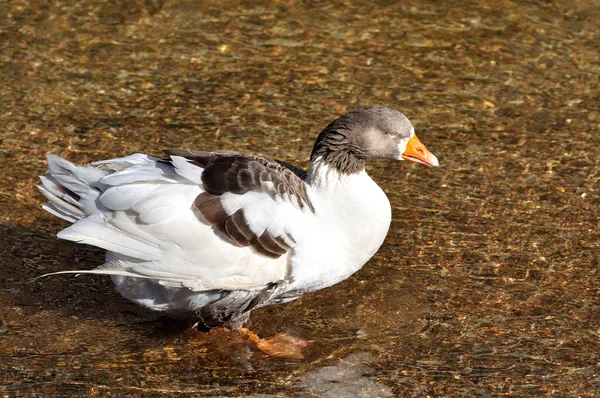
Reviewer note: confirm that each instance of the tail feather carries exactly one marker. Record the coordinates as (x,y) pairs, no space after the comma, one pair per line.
(95,231)
(72,190)
(74,195)
(60,213)
(77,179)
(62,202)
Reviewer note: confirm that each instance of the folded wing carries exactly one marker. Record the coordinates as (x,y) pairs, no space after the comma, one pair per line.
(247,198)
(203,220)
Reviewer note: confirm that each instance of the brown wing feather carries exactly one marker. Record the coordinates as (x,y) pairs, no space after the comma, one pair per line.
(239,173)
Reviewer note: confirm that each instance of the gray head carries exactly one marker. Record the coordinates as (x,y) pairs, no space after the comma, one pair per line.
(373,132)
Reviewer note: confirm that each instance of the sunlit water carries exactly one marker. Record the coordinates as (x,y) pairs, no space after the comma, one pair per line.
(488,281)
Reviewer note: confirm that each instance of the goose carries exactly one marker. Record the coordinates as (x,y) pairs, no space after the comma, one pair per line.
(214,235)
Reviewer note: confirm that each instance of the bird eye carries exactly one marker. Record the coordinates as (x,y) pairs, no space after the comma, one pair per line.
(392,134)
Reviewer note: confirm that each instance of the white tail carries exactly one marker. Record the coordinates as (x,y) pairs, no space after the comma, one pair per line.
(72,190)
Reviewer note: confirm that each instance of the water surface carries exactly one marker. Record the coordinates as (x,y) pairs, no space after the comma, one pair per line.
(488,281)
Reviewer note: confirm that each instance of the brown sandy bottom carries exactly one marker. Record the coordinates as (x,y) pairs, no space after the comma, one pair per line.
(487,284)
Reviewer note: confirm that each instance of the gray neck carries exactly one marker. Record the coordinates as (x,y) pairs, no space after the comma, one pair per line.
(338,151)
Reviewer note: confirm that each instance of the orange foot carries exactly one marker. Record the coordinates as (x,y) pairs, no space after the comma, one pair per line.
(280,345)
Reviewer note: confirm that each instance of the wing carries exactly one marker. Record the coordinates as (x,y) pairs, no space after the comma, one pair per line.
(235,199)
(203,220)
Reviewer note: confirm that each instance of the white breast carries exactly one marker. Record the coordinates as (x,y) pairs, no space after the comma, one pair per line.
(352,218)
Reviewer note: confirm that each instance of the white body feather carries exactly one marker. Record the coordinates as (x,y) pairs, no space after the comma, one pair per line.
(163,256)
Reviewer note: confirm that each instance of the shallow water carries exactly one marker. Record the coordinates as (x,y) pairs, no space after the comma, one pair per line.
(488,281)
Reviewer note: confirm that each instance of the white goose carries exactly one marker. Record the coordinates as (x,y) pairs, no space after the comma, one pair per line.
(213,235)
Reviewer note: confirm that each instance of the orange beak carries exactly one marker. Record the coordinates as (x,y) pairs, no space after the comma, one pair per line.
(416,152)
